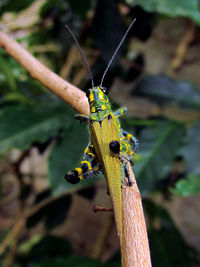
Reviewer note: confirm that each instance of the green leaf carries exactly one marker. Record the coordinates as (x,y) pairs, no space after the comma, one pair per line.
(20,126)
(72,260)
(5,68)
(108,31)
(164,90)
(171,8)
(53,214)
(166,239)
(47,248)
(187,187)
(191,151)
(65,156)
(13,6)
(159,146)
(80,7)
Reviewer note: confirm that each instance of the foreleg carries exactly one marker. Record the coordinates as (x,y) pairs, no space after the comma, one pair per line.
(120,112)
(126,173)
(131,139)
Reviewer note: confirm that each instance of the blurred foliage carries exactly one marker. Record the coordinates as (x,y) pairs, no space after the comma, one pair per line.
(172,8)
(187,187)
(159,147)
(167,161)
(163,234)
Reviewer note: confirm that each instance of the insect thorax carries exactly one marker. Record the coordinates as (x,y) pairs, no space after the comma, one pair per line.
(99,104)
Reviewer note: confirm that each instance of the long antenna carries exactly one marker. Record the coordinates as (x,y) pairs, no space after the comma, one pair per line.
(82,54)
(119,45)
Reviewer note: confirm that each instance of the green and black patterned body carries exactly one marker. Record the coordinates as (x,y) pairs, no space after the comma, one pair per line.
(110,150)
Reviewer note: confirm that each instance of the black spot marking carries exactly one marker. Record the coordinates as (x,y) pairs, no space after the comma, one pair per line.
(115,146)
(104,90)
(109,117)
(88,92)
(72,177)
(93,163)
(84,167)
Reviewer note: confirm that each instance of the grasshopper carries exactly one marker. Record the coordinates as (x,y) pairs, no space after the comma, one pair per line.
(111,148)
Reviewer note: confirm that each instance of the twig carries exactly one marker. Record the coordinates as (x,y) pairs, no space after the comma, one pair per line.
(98,208)
(13,233)
(182,48)
(12,250)
(21,220)
(135,249)
(135,246)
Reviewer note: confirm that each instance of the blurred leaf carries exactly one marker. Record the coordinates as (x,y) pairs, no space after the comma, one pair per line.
(167,246)
(49,7)
(16,97)
(22,125)
(6,69)
(188,186)
(65,156)
(53,213)
(191,152)
(72,260)
(27,245)
(171,8)
(163,90)
(87,193)
(159,146)
(10,5)
(80,7)
(49,247)
(109,30)
(56,212)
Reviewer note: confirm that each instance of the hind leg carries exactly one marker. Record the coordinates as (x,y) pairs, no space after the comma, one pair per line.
(88,167)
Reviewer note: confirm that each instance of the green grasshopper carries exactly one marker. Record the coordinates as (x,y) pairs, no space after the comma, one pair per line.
(111,148)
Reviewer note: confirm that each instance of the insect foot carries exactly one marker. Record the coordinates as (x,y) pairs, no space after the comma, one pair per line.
(115,146)
(72,177)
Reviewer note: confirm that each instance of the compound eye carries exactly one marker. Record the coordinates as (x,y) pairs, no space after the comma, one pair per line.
(104,90)
(88,92)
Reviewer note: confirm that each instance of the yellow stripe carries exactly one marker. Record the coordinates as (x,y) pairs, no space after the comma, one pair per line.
(91,97)
(126,146)
(91,154)
(88,163)
(129,137)
(120,147)
(79,170)
(131,153)
(101,95)
(87,150)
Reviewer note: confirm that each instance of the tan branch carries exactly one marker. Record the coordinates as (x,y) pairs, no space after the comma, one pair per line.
(135,246)
(135,249)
